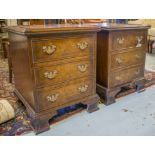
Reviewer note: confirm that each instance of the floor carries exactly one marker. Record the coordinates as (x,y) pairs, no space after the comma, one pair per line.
(150,61)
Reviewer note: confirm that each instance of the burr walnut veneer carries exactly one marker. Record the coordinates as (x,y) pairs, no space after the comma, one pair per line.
(120,58)
(54,67)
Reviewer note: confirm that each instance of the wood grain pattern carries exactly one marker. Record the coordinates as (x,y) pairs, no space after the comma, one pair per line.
(64,48)
(127,75)
(54,67)
(62,72)
(127,58)
(127,39)
(120,58)
(64,93)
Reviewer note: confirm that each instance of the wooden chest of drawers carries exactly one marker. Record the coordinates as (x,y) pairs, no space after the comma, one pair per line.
(120,58)
(54,67)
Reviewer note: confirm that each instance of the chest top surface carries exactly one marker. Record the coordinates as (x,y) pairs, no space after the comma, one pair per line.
(55,28)
(113,26)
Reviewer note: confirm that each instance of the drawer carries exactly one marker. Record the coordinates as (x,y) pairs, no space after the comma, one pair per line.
(60,48)
(127,58)
(54,96)
(126,75)
(62,72)
(128,39)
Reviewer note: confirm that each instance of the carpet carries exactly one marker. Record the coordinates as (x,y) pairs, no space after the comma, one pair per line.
(21,123)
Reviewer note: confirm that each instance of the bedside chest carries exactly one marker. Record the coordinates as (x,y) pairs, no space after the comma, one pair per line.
(120,58)
(54,67)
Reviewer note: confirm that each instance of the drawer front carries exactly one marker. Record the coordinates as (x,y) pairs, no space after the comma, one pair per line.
(60,48)
(125,59)
(128,39)
(63,72)
(127,75)
(50,97)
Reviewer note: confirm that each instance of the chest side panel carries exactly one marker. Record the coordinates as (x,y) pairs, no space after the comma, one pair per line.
(21,66)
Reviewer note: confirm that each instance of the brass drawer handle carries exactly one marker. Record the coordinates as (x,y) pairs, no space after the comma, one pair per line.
(139,40)
(50,75)
(137,56)
(82,45)
(50,49)
(118,78)
(82,67)
(137,72)
(120,40)
(52,97)
(119,60)
(83,89)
